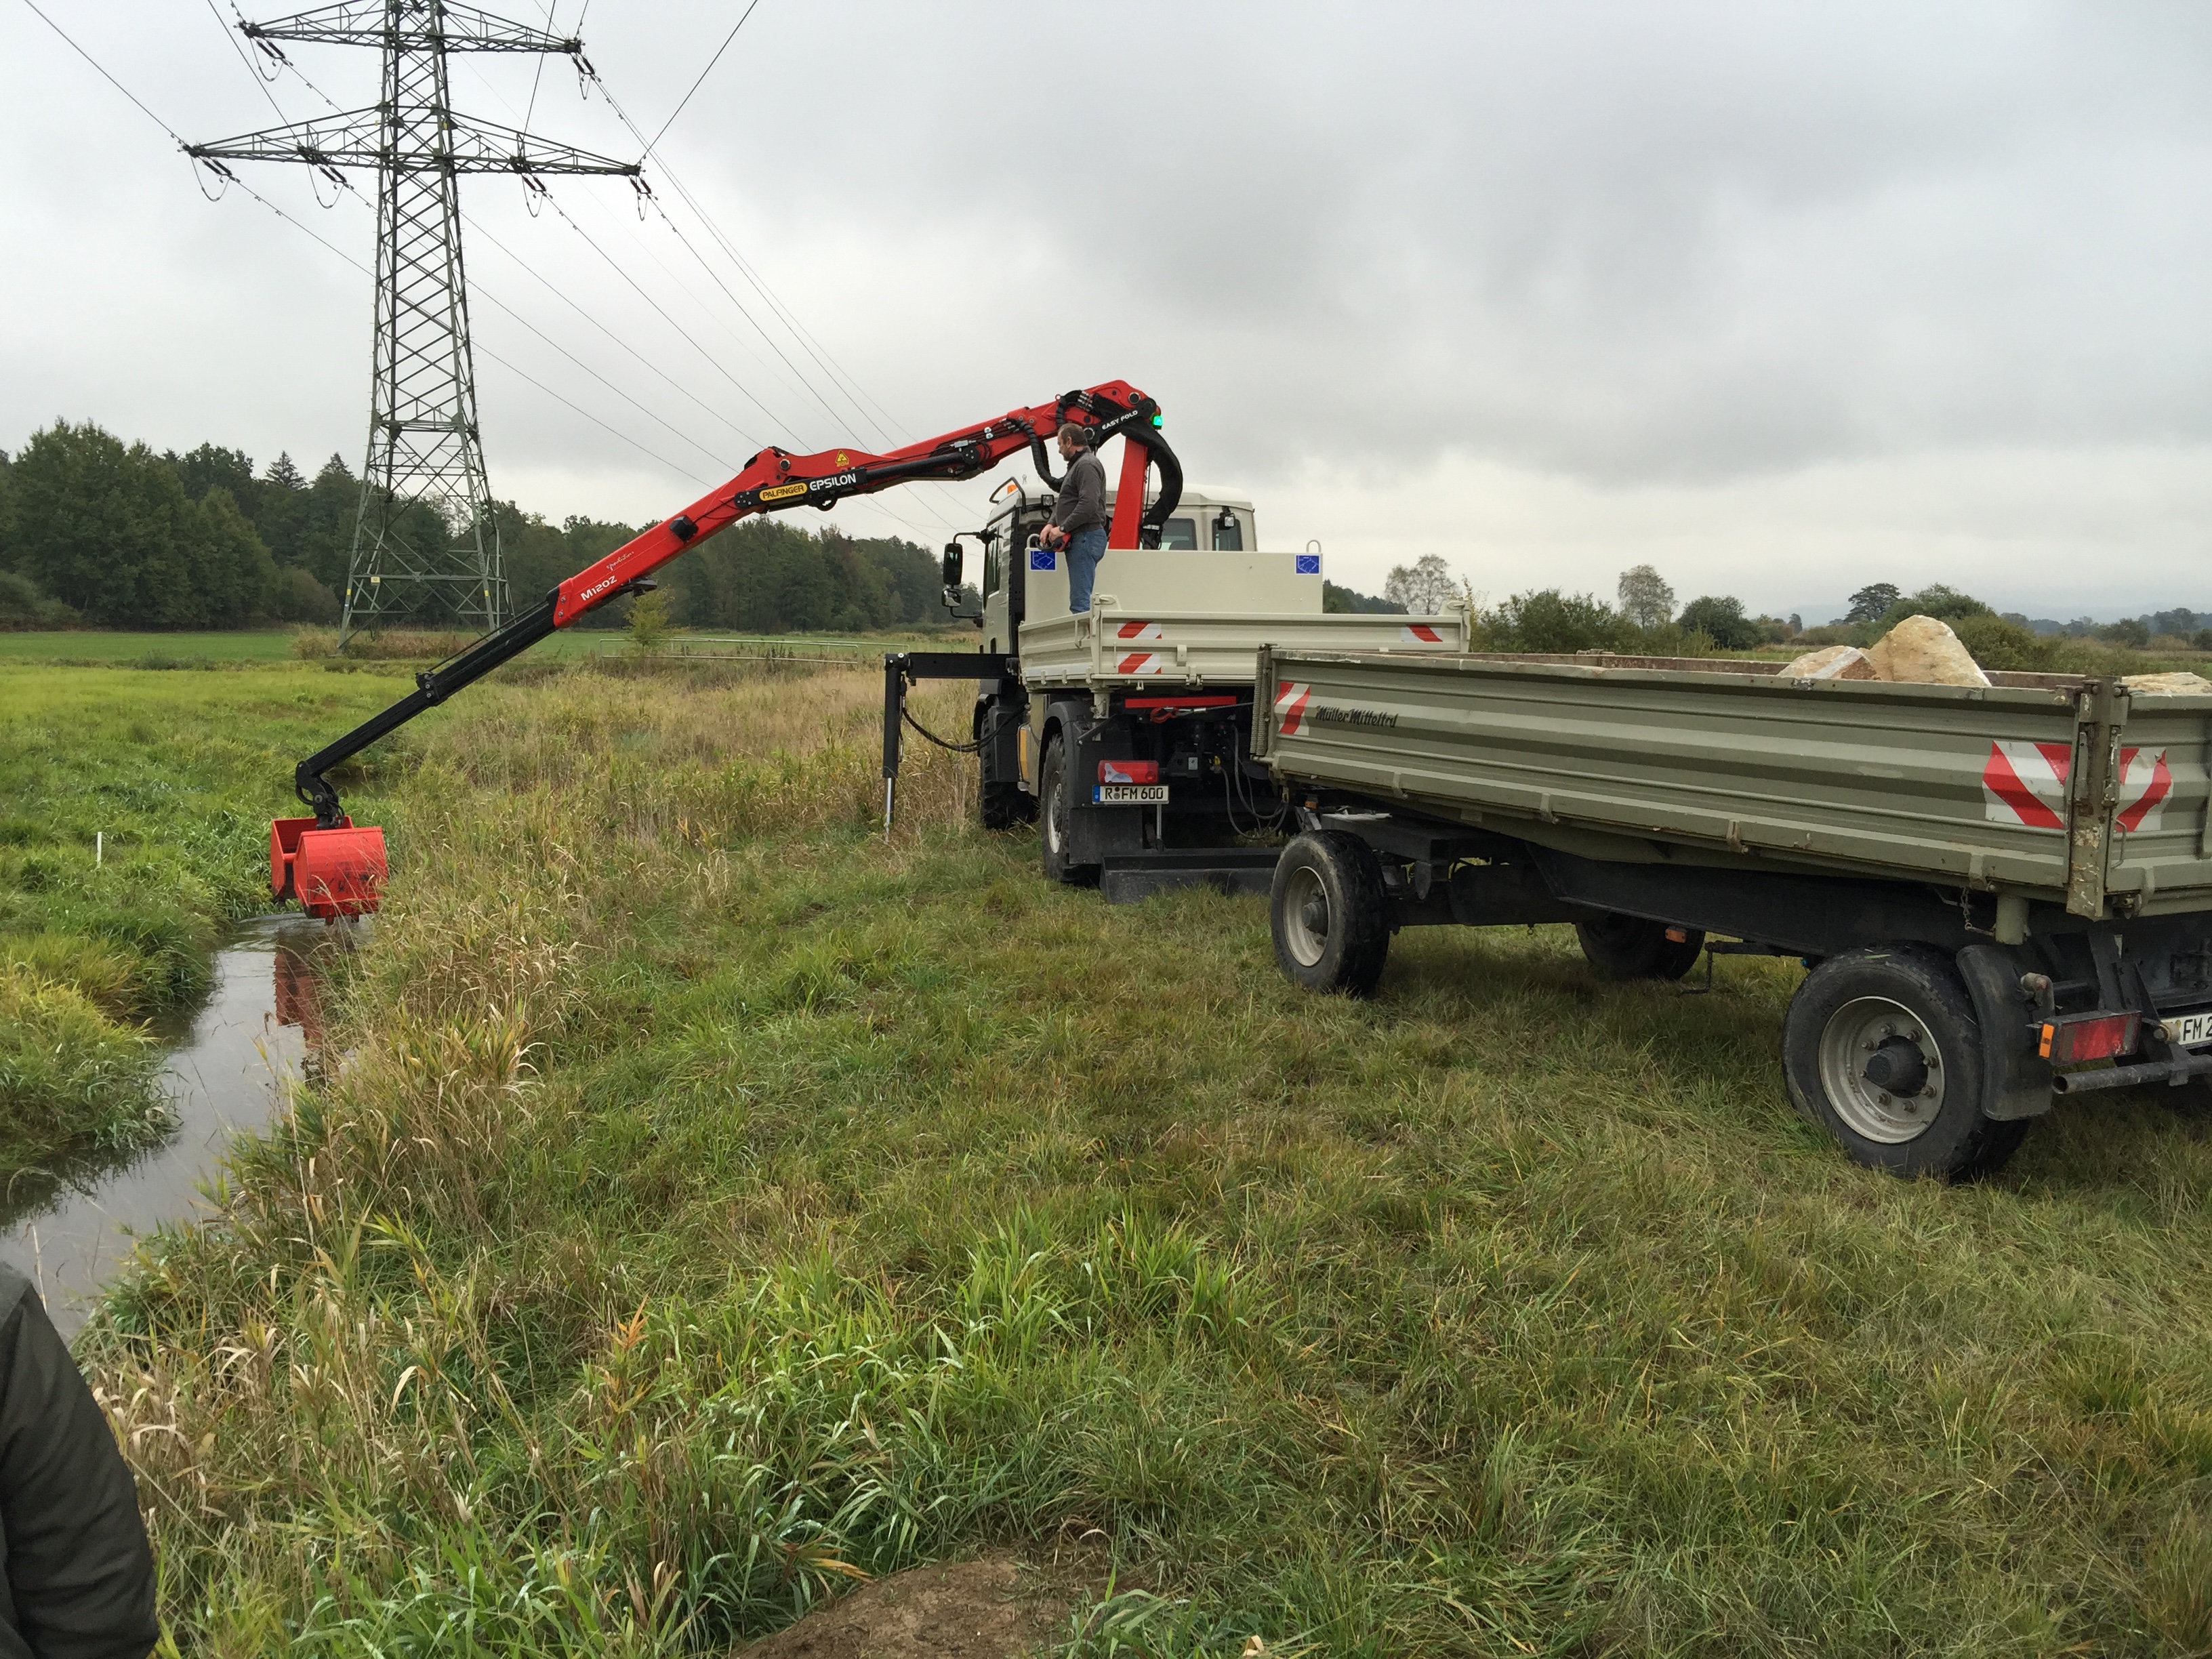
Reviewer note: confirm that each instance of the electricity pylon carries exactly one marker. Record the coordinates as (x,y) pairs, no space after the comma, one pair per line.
(426,541)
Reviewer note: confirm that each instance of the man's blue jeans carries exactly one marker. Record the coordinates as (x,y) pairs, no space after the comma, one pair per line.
(1084,549)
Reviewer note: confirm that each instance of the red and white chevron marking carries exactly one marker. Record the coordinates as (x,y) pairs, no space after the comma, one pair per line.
(1137,631)
(1421,634)
(1291,706)
(1142,662)
(2026,783)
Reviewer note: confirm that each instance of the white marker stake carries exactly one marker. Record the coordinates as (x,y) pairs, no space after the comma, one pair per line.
(99,847)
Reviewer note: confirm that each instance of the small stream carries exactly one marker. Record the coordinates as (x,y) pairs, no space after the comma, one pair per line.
(70,1231)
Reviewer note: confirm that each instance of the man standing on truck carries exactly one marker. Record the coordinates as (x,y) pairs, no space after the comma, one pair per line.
(1078,519)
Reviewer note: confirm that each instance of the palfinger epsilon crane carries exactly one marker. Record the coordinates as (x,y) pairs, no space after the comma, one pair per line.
(335,867)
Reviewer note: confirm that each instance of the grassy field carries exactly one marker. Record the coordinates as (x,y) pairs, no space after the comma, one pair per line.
(98,646)
(95,647)
(173,778)
(719,1202)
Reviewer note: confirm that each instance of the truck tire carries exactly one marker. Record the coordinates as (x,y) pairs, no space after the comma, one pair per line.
(1329,914)
(1631,947)
(1055,817)
(1881,1047)
(1003,805)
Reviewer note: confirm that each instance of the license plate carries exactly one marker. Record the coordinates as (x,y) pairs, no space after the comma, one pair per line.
(2189,1029)
(1129,794)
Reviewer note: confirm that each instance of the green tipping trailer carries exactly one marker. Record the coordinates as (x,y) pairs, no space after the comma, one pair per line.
(2002,893)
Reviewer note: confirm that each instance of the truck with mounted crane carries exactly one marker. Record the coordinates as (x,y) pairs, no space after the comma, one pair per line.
(1156,706)
(2003,894)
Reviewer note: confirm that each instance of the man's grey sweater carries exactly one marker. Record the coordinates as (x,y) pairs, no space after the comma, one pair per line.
(1082,504)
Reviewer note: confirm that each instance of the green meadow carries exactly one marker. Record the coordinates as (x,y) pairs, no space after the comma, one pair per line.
(717,1203)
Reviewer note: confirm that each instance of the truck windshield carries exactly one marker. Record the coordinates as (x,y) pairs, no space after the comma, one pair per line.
(1180,532)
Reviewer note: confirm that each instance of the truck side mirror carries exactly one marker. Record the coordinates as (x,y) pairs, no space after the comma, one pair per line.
(952,564)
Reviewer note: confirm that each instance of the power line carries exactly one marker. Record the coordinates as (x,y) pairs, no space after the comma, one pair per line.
(840,378)
(512,368)
(478,227)
(494,299)
(797,387)
(245,63)
(616,266)
(307,230)
(698,83)
(106,76)
(667,173)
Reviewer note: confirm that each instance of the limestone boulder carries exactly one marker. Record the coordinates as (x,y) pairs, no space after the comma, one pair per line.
(1922,651)
(1832,662)
(2182,685)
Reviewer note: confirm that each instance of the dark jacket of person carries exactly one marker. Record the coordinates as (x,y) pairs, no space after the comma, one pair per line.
(78,1579)
(1082,504)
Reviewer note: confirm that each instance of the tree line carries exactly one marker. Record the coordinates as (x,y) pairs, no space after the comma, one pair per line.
(99,534)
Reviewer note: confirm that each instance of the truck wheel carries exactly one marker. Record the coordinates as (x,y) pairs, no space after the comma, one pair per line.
(1003,805)
(1330,916)
(1055,812)
(1631,947)
(1881,1047)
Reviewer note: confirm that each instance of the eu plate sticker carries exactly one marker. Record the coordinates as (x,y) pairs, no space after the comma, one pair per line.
(1309,564)
(1043,558)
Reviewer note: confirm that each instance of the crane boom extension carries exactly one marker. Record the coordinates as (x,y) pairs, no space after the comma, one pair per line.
(334,868)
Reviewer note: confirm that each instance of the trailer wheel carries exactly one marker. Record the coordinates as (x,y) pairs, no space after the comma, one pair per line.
(1881,1048)
(1632,947)
(1055,811)
(1329,914)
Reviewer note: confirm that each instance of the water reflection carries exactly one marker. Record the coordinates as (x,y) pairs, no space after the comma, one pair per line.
(71,1229)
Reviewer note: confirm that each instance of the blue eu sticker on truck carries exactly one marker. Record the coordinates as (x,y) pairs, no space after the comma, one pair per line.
(1042,558)
(1309,564)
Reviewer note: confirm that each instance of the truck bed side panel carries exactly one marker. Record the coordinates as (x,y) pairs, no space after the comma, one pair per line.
(1952,783)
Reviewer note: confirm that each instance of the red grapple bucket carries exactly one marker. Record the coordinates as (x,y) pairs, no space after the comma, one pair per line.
(332,872)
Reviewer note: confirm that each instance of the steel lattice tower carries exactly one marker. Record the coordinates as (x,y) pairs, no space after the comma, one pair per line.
(426,543)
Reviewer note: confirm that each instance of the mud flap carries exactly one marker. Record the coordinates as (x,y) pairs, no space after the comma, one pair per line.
(2016,1079)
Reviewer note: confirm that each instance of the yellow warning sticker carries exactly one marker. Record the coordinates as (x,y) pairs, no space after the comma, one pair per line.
(842,460)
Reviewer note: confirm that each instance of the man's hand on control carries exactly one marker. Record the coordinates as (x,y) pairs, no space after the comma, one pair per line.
(1053,536)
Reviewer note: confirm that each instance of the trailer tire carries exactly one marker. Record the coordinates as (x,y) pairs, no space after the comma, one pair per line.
(1055,818)
(1906,1006)
(1621,947)
(1329,914)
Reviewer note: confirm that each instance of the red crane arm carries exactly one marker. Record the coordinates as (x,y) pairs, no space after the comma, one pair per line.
(774,480)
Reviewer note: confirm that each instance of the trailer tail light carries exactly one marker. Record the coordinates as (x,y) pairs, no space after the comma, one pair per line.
(332,872)
(1128,771)
(2075,1038)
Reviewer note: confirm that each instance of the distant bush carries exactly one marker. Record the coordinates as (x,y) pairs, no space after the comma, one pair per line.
(1945,605)
(2128,631)
(23,606)
(1351,602)
(1995,643)
(1547,620)
(296,597)
(1721,620)
(383,645)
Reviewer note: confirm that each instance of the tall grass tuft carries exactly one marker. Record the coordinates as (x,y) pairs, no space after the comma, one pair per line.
(69,1077)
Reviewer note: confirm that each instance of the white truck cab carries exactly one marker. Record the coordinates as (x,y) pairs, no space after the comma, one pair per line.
(1021,583)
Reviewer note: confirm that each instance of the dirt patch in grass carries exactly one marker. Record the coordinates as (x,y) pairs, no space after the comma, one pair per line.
(994,1608)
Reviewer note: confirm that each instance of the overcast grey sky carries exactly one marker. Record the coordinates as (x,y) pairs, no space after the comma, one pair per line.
(1782,299)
